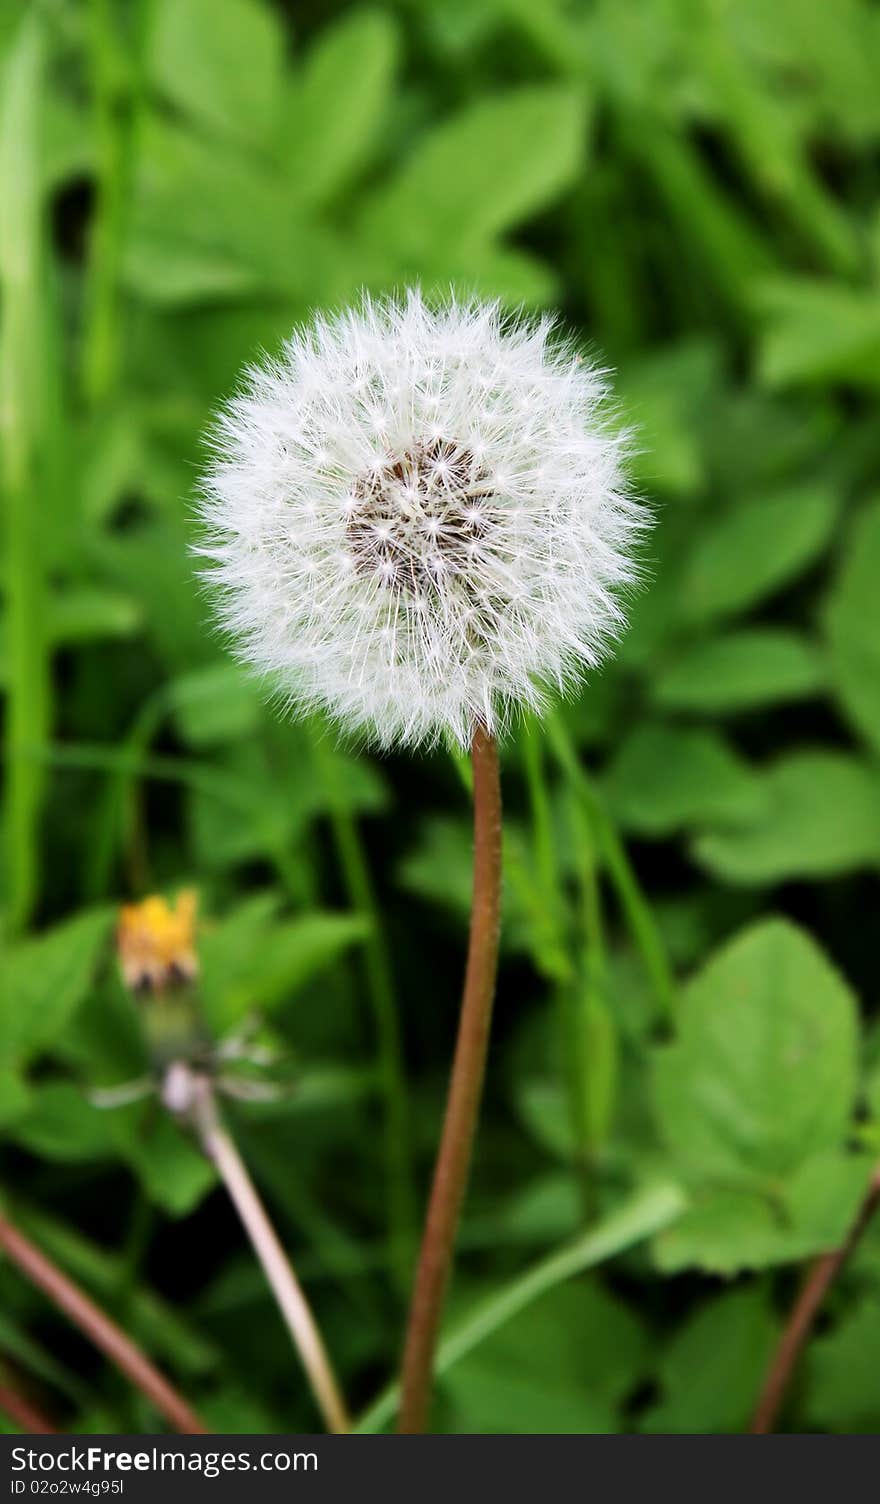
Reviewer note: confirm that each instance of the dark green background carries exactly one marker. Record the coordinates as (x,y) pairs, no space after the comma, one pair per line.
(694,185)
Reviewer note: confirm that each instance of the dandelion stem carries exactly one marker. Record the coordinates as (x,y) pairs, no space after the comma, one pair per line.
(820,1276)
(221,1149)
(99,1328)
(465,1089)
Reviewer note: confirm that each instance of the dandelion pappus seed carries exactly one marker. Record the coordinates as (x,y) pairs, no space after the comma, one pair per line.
(449,531)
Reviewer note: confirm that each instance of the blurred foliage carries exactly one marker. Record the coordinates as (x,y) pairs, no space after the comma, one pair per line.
(695,186)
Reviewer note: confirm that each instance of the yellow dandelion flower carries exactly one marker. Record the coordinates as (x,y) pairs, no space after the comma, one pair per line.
(156,942)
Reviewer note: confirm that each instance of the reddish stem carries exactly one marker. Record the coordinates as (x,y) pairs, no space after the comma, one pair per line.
(25,1415)
(465,1090)
(819,1278)
(99,1327)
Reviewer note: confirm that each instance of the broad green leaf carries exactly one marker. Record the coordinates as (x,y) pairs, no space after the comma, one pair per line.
(820,817)
(337,104)
(208,224)
(82,615)
(560,1367)
(496,271)
(15,1097)
(755,549)
(483,171)
(44,980)
(841,1372)
(728,1231)
(836,51)
(662,396)
(214,704)
(149,564)
(761,1076)
(170,1166)
(259,964)
(664,779)
(740,671)
(819,331)
(712,1369)
(61,1124)
(852,625)
(220,63)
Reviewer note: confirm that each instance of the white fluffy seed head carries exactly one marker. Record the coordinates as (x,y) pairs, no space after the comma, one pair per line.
(416,518)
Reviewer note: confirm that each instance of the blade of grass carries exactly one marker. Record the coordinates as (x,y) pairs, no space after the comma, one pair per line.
(112,74)
(635,906)
(572,1044)
(22,379)
(644,1214)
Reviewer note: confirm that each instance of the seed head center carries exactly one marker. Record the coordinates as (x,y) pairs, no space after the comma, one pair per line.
(414,524)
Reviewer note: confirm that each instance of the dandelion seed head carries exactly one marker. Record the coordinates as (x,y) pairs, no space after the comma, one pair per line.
(417,519)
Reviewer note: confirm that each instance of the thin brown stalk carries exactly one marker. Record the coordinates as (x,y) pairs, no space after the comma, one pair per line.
(99,1328)
(463,1101)
(220,1148)
(23,1413)
(820,1276)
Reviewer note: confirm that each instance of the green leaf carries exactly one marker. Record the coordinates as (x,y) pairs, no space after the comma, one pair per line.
(665,778)
(83,615)
(740,671)
(663,396)
(208,224)
(712,1369)
(762,1074)
(842,1393)
(819,331)
(15,1098)
(220,63)
(253,963)
(172,1170)
(560,1367)
(727,1231)
(44,980)
(852,625)
(496,271)
(214,704)
(820,817)
(756,549)
(338,104)
(61,1124)
(483,171)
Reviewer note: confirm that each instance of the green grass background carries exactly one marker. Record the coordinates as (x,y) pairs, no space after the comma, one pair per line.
(684,1091)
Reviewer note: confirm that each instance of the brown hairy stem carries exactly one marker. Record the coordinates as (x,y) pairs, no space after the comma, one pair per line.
(463,1100)
(820,1276)
(99,1328)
